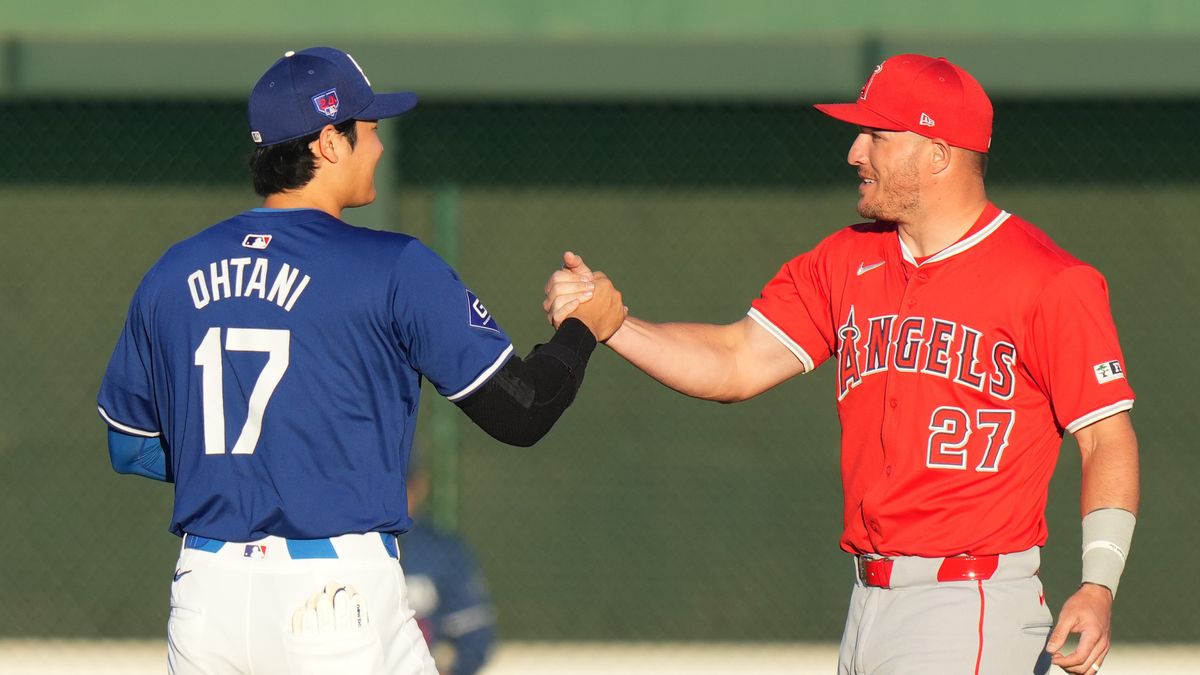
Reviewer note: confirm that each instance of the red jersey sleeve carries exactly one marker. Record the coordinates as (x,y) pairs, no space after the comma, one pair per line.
(1076,358)
(795,308)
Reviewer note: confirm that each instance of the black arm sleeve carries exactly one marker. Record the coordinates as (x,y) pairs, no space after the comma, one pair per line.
(523,399)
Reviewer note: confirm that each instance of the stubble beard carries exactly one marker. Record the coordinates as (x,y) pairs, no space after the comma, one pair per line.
(898,198)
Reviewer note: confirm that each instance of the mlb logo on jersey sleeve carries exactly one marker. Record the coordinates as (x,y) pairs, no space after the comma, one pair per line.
(1109,371)
(478,315)
(257,241)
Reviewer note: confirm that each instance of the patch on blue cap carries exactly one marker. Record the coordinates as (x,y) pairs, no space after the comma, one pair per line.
(326,103)
(478,315)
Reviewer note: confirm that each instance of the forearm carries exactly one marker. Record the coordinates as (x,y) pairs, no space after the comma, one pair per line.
(524,399)
(1110,466)
(699,360)
(1108,499)
(723,363)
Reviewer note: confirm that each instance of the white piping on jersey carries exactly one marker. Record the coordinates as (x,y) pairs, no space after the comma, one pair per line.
(484,376)
(127,429)
(1097,415)
(957,247)
(782,337)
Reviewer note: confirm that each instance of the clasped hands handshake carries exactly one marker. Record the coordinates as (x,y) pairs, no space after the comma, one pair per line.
(575,291)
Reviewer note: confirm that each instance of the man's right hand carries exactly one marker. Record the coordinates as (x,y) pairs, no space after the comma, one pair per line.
(576,291)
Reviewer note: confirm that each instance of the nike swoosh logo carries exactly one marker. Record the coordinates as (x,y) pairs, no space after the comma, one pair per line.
(863,269)
(179,574)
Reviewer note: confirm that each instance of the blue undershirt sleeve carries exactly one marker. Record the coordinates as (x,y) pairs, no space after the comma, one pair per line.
(137,455)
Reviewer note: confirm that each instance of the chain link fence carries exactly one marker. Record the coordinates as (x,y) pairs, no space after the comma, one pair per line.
(644,516)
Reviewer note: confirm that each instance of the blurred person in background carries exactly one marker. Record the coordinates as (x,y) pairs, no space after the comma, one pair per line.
(446,587)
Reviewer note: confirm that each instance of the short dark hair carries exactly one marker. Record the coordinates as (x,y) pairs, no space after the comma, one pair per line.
(981,162)
(290,165)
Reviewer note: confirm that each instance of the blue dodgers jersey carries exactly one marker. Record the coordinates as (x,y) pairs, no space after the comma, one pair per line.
(279,354)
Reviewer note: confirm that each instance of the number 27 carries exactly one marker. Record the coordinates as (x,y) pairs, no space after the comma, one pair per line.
(951,429)
(276,343)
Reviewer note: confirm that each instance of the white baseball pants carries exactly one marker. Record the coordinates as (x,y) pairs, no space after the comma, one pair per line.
(232,606)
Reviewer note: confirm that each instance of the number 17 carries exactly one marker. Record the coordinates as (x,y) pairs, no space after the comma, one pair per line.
(276,343)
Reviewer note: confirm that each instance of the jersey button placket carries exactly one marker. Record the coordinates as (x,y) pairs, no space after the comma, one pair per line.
(913,281)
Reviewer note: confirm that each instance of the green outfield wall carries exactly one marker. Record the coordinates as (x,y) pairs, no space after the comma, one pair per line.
(580,20)
(644,515)
(672,144)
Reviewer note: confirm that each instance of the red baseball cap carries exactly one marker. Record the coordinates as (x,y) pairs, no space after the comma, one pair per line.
(927,96)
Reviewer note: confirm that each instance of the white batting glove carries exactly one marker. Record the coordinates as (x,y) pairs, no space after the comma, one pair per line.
(335,608)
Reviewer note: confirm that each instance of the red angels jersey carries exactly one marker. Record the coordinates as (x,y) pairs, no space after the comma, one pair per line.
(956,377)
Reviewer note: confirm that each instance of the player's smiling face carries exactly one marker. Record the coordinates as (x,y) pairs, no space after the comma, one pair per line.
(888,163)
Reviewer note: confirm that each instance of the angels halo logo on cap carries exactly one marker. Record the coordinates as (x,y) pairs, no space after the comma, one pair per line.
(304,91)
(928,96)
(866,88)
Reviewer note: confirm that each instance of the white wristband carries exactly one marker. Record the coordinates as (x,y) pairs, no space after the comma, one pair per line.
(1107,534)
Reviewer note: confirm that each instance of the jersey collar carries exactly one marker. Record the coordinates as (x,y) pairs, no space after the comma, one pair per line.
(989,221)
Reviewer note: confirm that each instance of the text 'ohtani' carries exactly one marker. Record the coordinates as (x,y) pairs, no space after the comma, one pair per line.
(247,278)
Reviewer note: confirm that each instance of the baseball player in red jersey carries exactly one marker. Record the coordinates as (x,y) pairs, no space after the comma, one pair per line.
(965,342)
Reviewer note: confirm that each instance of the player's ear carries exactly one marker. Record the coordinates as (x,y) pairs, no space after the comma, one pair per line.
(325,146)
(940,153)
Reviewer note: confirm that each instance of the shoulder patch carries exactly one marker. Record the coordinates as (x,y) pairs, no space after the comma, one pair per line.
(478,316)
(1109,371)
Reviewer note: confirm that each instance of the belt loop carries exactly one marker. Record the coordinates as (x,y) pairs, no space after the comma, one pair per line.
(875,572)
(879,572)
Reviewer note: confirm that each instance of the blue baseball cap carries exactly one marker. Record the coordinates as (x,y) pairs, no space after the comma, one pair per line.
(308,89)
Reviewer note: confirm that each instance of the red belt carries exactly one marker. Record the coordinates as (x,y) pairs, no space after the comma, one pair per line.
(878,571)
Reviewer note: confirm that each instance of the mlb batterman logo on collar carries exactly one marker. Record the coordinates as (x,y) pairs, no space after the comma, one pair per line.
(927,96)
(305,90)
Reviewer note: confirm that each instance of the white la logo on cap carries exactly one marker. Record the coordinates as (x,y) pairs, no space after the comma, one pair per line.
(360,70)
(926,120)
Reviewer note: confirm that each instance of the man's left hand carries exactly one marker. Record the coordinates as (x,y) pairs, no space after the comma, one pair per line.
(1089,613)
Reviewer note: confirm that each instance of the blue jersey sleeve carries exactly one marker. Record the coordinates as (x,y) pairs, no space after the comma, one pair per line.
(451,338)
(126,398)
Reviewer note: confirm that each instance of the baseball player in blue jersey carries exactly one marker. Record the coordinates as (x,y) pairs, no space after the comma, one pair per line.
(446,589)
(270,367)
